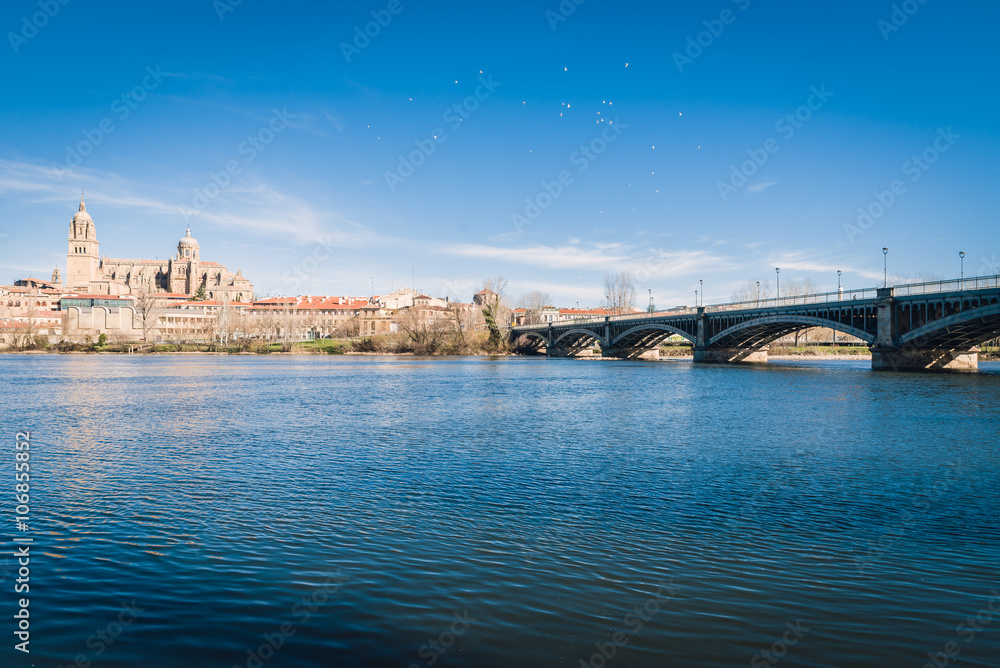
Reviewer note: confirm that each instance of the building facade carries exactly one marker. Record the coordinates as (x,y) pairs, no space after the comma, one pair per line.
(184,273)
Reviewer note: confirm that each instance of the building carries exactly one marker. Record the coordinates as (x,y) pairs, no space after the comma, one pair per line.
(184,273)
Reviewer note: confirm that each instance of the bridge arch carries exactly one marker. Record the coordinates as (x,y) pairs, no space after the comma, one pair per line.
(628,335)
(963,329)
(579,335)
(767,329)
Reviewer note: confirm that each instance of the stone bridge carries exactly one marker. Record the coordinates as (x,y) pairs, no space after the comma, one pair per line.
(922,326)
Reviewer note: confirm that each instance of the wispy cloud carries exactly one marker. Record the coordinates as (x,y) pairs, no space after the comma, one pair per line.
(254,208)
(595,257)
(760,186)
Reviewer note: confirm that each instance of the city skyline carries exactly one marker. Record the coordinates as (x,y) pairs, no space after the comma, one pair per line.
(680,147)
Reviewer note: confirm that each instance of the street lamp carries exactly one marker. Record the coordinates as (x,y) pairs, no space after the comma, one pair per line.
(701,285)
(757,294)
(885,267)
(840,290)
(777,282)
(696,299)
(961,254)
(650,310)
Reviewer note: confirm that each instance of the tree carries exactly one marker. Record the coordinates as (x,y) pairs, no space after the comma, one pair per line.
(533,303)
(199,296)
(796,290)
(147,306)
(619,292)
(752,291)
(496,311)
(224,320)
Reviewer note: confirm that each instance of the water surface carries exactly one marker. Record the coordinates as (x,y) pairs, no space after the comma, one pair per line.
(515,511)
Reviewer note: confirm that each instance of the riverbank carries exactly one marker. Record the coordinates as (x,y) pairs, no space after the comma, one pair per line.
(346,347)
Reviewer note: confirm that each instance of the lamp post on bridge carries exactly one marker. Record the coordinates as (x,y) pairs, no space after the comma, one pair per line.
(701,286)
(757,294)
(650,309)
(961,255)
(696,299)
(777,282)
(885,267)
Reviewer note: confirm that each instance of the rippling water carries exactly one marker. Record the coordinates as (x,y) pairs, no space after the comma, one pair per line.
(509,512)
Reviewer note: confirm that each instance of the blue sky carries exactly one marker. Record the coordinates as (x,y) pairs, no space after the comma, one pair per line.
(645,141)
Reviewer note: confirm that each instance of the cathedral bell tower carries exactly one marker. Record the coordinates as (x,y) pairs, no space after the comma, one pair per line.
(82,259)
(184,270)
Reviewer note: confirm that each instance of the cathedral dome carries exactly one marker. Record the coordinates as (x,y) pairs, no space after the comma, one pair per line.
(187,241)
(82,216)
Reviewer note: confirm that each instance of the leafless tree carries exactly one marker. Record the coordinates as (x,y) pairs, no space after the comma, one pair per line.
(24,334)
(533,303)
(287,327)
(147,309)
(796,290)
(496,311)
(224,320)
(619,292)
(752,291)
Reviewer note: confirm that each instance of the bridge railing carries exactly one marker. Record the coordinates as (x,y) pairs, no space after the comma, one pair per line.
(905,290)
(792,300)
(951,285)
(586,320)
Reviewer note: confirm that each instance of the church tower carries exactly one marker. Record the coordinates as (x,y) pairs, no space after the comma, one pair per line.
(185,268)
(82,260)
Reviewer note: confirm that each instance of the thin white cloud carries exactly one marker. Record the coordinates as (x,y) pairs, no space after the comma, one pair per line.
(252,208)
(760,186)
(598,257)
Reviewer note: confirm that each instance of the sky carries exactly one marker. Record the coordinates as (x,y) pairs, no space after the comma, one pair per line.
(353,148)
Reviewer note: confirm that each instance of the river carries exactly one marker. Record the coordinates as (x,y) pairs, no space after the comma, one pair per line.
(364,511)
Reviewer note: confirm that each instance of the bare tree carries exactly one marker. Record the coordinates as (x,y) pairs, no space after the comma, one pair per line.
(24,335)
(533,303)
(752,291)
(287,327)
(147,307)
(496,311)
(796,290)
(224,320)
(619,292)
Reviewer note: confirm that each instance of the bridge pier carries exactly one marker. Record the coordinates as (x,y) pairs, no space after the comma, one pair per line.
(730,355)
(631,353)
(904,359)
(566,352)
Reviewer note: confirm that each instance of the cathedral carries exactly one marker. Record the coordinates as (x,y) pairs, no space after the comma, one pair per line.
(185,273)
